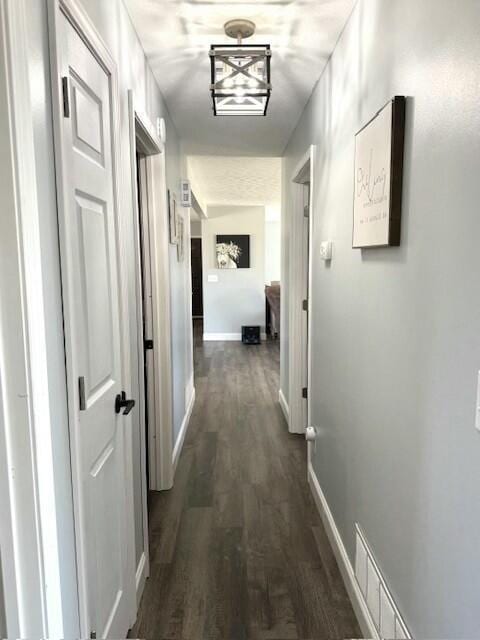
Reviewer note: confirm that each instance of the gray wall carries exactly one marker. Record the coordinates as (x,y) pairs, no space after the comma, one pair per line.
(238,297)
(113,23)
(396,348)
(196,229)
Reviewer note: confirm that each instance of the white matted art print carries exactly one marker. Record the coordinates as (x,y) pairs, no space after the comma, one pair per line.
(378,178)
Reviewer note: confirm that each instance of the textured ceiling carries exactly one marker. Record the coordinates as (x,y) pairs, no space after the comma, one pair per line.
(236,181)
(177,34)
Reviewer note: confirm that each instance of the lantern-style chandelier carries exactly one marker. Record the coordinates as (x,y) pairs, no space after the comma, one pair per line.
(240,73)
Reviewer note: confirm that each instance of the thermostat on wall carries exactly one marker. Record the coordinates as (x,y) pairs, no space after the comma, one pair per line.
(326,250)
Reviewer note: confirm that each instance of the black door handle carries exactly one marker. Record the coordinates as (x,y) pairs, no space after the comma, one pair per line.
(121,402)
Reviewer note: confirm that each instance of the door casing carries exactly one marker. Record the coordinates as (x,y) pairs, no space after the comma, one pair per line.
(299,370)
(153,168)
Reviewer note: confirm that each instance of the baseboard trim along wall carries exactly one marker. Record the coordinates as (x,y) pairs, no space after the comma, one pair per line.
(177,450)
(226,337)
(141,577)
(284,404)
(358,601)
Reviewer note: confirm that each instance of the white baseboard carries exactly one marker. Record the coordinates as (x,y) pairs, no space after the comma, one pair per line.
(358,601)
(177,450)
(141,577)
(226,337)
(284,404)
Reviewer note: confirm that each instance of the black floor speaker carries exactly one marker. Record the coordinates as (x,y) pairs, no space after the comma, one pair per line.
(251,335)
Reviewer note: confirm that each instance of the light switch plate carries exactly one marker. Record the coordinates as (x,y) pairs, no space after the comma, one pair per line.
(213,278)
(326,250)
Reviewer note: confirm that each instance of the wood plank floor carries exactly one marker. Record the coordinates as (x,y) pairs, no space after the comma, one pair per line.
(237,548)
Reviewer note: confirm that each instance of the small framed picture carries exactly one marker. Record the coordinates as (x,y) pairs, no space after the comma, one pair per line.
(377,209)
(180,238)
(172,217)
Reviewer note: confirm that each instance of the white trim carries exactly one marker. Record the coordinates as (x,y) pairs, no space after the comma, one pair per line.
(28,501)
(160,443)
(304,172)
(183,432)
(284,405)
(141,577)
(226,337)
(358,601)
(141,129)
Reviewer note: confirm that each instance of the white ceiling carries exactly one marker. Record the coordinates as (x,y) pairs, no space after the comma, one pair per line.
(177,34)
(233,181)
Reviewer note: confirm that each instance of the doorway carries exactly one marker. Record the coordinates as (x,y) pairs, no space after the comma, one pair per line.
(197,278)
(300,302)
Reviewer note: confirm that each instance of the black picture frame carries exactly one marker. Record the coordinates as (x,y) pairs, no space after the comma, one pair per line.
(229,260)
(391,210)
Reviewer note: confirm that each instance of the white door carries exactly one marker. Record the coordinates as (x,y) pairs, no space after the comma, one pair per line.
(90,272)
(305,296)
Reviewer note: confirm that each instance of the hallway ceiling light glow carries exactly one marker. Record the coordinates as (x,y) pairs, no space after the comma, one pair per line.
(240,73)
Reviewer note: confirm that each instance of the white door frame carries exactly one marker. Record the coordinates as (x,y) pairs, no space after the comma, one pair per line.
(304,172)
(160,445)
(28,500)
(80,20)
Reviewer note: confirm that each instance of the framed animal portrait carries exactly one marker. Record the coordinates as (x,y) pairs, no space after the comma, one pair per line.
(233,252)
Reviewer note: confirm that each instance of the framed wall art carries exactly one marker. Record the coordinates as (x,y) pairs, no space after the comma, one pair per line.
(377,209)
(233,252)
(180,238)
(172,217)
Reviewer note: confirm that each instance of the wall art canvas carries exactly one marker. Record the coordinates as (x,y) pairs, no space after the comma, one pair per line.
(233,252)
(180,238)
(379,178)
(172,217)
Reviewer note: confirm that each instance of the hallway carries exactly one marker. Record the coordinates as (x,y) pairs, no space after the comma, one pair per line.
(237,546)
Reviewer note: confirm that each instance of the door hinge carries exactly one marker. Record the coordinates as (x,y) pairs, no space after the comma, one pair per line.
(81,393)
(305,305)
(304,393)
(148,345)
(66,97)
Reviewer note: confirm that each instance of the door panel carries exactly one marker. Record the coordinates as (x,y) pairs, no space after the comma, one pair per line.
(90,266)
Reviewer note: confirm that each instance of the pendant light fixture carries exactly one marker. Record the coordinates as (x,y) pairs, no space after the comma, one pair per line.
(240,73)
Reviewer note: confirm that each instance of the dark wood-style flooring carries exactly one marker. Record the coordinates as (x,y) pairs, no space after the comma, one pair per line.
(237,547)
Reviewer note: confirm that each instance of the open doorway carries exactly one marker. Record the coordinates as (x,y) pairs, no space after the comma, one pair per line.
(300,304)
(150,349)
(197,277)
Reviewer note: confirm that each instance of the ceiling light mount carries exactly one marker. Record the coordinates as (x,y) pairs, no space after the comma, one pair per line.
(239,29)
(240,73)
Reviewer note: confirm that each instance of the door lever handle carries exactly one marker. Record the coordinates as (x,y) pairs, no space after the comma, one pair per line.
(121,402)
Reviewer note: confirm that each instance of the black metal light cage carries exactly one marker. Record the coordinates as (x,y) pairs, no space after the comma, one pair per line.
(240,79)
